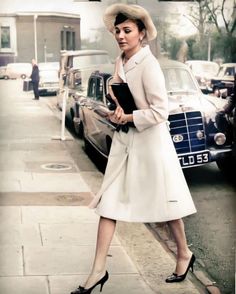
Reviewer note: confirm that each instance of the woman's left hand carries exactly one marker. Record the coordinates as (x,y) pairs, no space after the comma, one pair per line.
(118,117)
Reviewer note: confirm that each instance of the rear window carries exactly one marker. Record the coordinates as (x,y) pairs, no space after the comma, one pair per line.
(90,60)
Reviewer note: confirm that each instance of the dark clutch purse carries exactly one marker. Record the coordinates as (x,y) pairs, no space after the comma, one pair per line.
(126,101)
(124,97)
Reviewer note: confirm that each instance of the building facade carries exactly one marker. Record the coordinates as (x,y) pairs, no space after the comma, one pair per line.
(39,35)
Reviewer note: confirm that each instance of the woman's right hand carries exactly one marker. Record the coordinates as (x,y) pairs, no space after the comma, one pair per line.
(118,117)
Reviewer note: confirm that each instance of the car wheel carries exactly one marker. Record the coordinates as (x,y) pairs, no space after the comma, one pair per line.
(6,77)
(226,163)
(87,146)
(23,76)
(79,129)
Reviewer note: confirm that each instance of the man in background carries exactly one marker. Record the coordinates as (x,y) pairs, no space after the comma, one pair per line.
(35,79)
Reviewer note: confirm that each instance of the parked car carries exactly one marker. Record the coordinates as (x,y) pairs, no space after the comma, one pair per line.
(81,60)
(197,133)
(18,70)
(224,80)
(2,72)
(75,70)
(49,80)
(203,71)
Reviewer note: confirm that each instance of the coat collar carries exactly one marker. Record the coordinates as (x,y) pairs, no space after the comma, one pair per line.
(132,62)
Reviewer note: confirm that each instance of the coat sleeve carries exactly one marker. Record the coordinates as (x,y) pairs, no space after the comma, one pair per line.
(156,96)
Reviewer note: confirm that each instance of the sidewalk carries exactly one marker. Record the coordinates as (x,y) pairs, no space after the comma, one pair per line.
(48,234)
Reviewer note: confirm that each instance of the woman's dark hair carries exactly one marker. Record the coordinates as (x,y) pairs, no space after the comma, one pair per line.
(140,24)
(122,17)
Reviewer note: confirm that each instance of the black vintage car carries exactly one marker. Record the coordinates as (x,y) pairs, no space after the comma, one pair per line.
(223,83)
(199,134)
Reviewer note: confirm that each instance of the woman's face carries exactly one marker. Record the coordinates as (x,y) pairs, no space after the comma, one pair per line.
(128,37)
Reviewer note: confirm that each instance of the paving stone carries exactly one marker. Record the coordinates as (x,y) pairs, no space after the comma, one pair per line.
(10,186)
(58,214)
(45,199)
(12,160)
(10,215)
(23,285)
(48,182)
(93,179)
(10,181)
(70,234)
(117,284)
(19,234)
(64,260)
(11,261)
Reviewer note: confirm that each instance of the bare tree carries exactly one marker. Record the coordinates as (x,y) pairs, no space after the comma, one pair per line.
(215,15)
(209,11)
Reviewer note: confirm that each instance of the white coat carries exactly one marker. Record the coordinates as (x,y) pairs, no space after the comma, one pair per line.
(144,181)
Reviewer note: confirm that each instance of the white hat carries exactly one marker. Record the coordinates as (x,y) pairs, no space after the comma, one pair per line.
(132,11)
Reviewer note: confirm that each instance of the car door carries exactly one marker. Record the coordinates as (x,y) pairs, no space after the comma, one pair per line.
(104,129)
(98,128)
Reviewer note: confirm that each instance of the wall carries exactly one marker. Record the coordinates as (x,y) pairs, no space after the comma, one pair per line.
(48,36)
(48,28)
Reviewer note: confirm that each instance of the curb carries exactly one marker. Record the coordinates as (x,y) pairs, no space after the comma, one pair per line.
(162,234)
(153,261)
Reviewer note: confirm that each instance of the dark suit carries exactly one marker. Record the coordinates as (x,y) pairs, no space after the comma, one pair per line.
(35,80)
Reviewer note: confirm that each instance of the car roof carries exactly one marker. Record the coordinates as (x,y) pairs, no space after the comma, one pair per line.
(165,63)
(200,61)
(83,52)
(227,64)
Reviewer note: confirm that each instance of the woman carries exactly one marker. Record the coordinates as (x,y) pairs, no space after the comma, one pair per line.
(143,181)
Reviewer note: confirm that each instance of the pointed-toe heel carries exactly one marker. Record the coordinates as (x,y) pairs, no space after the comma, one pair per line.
(101,282)
(174,278)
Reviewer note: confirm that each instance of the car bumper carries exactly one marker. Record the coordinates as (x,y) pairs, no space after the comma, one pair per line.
(194,159)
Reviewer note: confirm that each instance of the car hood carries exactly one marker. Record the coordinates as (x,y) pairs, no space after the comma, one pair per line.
(206,104)
(49,76)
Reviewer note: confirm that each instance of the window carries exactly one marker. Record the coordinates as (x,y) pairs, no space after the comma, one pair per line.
(99,96)
(88,60)
(178,80)
(68,39)
(92,88)
(5,37)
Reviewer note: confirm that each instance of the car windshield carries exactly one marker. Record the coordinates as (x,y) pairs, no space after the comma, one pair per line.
(88,60)
(226,71)
(201,67)
(179,80)
(48,66)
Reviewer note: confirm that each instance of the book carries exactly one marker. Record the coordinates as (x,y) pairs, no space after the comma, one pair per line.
(124,97)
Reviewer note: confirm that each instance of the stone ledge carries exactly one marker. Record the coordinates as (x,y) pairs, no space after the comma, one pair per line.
(45,199)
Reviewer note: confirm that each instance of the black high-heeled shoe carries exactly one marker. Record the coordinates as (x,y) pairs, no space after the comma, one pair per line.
(82,290)
(174,278)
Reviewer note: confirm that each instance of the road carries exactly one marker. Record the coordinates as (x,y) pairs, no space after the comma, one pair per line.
(211,231)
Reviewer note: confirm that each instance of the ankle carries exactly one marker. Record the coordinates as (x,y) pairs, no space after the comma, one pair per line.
(98,272)
(185,254)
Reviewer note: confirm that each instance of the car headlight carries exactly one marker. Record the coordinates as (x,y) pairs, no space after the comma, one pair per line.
(220,138)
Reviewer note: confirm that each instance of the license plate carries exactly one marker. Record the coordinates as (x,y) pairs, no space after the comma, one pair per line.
(194,159)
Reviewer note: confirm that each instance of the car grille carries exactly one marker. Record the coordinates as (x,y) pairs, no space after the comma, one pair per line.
(187,131)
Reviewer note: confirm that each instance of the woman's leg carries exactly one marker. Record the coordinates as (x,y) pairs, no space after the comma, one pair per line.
(106,229)
(183,252)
